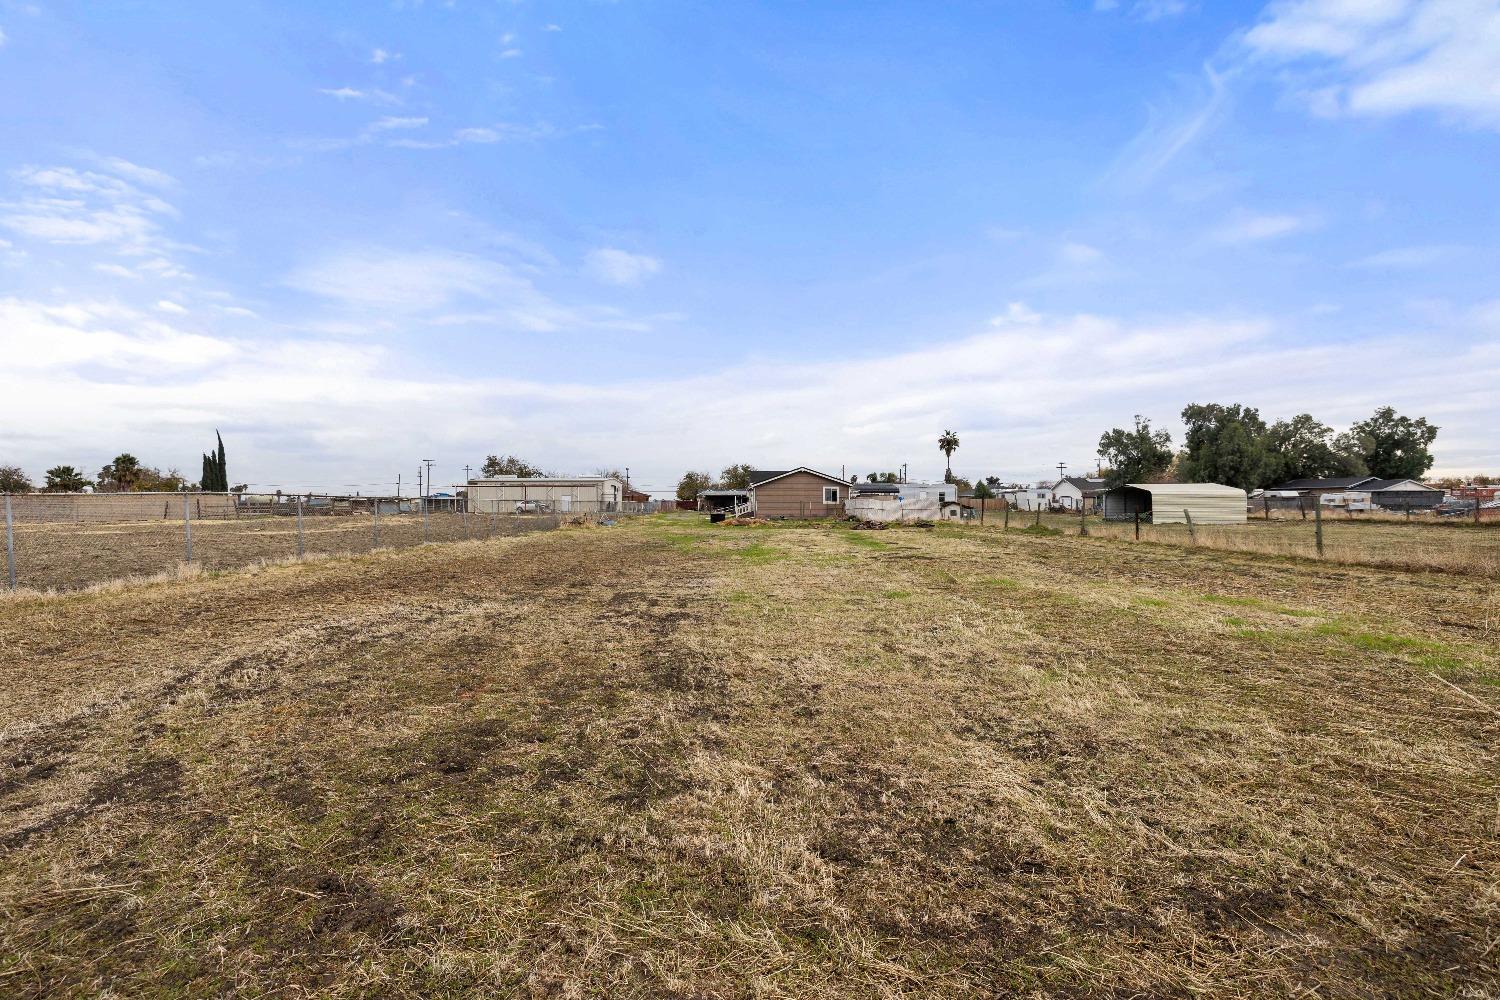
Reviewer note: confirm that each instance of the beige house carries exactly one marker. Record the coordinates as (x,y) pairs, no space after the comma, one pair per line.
(517,495)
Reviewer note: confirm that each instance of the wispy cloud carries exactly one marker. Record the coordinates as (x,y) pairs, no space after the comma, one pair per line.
(1388,57)
(379,57)
(1402,258)
(66,205)
(1249,227)
(1169,132)
(620,267)
(370,96)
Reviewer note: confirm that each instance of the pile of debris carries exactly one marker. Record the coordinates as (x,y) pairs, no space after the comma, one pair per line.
(859,525)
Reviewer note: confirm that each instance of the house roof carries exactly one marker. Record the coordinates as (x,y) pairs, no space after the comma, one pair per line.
(874,488)
(1084,485)
(1405,485)
(723,493)
(1337,483)
(761,478)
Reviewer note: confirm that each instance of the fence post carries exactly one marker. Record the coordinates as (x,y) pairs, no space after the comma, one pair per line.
(424,520)
(1476,510)
(1192,531)
(1302,508)
(1083,527)
(1137,525)
(376,539)
(1408,512)
(1318,525)
(466,518)
(1266,503)
(1038,514)
(187,527)
(300,543)
(10,543)
(1006,526)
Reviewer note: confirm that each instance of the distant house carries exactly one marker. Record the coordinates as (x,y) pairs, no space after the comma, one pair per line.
(1030,497)
(1072,492)
(633,495)
(1361,493)
(799,492)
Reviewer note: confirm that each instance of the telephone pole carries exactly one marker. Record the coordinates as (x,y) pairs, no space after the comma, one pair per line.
(1060,467)
(429,463)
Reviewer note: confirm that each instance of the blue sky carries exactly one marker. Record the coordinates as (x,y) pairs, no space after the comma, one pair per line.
(671,235)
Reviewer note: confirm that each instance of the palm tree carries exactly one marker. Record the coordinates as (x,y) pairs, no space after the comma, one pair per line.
(65,479)
(948,444)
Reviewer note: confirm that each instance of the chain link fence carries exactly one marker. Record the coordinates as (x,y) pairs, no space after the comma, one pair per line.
(62,542)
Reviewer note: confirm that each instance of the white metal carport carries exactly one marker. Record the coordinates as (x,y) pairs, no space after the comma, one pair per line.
(1165,503)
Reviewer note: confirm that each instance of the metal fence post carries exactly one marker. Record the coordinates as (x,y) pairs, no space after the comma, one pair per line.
(10,543)
(301,544)
(1083,527)
(1137,525)
(1318,525)
(424,520)
(1192,531)
(1038,514)
(375,541)
(466,518)
(187,527)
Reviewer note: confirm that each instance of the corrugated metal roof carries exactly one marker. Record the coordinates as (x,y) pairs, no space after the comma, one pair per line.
(1189,489)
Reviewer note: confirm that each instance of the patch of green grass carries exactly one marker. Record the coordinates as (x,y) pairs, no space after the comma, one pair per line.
(1237,622)
(864,539)
(1040,530)
(1151,602)
(759,553)
(896,595)
(1004,582)
(1379,642)
(1259,605)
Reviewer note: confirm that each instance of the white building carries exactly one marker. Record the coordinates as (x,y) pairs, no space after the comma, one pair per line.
(517,494)
(900,501)
(1071,492)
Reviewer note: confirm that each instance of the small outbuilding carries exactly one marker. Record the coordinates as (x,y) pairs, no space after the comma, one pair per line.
(1171,503)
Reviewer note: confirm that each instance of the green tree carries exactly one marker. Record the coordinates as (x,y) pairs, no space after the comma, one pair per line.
(883,477)
(1305,448)
(1226,444)
(691,484)
(121,475)
(65,479)
(982,491)
(948,444)
(1140,455)
(1393,446)
(13,479)
(736,477)
(510,465)
(215,477)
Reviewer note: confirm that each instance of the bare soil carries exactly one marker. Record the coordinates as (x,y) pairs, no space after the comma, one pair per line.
(673,760)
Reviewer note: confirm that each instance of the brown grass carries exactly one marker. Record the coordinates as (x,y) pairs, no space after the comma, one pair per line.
(665,759)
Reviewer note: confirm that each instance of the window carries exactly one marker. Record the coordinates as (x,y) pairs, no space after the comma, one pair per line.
(830,494)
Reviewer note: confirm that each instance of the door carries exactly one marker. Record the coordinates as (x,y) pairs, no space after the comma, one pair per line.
(565,502)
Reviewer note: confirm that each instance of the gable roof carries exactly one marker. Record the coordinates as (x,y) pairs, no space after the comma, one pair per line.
(762,478)
(1083,484)
(1337,483)
(1406,485)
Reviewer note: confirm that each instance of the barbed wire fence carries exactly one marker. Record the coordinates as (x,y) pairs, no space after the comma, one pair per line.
(70,541)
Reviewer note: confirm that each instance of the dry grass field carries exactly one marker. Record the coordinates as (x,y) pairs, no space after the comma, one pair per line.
(63,555)
(673,760)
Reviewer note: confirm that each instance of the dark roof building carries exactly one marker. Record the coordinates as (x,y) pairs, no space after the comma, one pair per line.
(1323,485)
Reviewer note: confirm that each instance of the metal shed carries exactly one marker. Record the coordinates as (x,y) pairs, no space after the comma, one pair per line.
(1164,503)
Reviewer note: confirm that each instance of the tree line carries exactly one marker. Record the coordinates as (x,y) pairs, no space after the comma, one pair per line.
(125,474)
(1232,444)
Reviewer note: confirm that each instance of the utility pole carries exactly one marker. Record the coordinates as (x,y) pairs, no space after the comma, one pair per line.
(398,489)
(429,463)
(1060,467)
(420,494)
(466,475)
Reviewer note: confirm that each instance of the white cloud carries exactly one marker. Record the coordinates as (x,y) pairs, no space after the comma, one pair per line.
(168,306)
(322,413)
(481,135)
(1387,57)
(3,38)
(380,56)
(372,96)
(1167,134)
(391,123)
(65,205)
(552,27)
(1252,228)
(1156,10)
(1401,258)
(510,54)
(620,267)
(1079,254)
(445,288)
